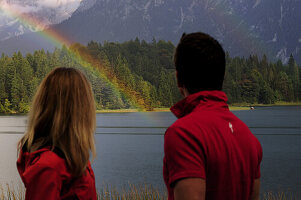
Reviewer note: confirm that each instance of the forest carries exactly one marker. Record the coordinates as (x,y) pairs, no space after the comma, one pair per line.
(140,74)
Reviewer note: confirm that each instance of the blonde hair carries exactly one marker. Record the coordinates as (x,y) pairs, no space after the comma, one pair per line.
(63,116)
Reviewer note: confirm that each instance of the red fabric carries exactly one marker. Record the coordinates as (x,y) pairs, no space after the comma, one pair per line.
(45,176)
(209,142)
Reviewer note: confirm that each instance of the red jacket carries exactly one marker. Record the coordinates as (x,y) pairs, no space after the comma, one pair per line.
(209,142)
(46,176)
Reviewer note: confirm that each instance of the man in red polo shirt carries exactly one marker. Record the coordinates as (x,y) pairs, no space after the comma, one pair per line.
(209,152)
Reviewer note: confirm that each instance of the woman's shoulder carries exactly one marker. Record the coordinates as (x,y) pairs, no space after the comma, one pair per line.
(51,159)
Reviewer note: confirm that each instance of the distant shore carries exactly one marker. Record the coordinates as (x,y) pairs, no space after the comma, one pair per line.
(160,110)
(232,107)
(280,103)
(131,110)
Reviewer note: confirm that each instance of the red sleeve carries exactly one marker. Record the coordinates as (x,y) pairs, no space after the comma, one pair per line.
(259,154)
(42,182)
(184,155)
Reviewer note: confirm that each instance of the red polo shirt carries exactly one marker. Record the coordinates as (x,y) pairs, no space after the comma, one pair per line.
(209,142)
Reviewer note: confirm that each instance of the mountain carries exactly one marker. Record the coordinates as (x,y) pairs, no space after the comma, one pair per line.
(42,14)
(243,27)
(85,5)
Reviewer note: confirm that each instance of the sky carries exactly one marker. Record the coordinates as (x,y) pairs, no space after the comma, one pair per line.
(47,11)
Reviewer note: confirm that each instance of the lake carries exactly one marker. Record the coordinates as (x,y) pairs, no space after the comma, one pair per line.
(130,147)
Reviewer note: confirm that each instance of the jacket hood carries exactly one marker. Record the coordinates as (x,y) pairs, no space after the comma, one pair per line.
(46,176)
(205,99)
(26,159)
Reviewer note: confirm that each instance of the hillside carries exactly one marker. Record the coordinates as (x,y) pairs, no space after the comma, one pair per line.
(137,74)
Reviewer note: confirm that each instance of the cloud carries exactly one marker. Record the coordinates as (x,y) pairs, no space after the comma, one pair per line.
(18,6)
(46,11)
(20,31)
(57,3)
(11,23)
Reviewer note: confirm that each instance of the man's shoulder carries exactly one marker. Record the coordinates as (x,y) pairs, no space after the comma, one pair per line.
(190,124)
(199,118)
(206,121)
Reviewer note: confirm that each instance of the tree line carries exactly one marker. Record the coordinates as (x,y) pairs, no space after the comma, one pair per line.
(141,74)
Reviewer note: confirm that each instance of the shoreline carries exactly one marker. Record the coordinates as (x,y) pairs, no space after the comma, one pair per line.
(232,107)
(131,110)
(281,103)
(235,108)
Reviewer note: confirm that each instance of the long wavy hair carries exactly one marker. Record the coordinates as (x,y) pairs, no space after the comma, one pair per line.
(62,116)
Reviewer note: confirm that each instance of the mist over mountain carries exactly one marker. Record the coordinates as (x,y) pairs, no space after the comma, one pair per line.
(243,27)
(44,12)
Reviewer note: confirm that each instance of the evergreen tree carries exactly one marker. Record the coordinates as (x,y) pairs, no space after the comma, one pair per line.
(293,73)
(7,106)
(125,74)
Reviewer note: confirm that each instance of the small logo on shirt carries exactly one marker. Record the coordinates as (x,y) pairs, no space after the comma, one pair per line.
(231,127)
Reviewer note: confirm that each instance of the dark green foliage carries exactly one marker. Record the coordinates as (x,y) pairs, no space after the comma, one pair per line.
(151,63)
(146,71)
(257,81)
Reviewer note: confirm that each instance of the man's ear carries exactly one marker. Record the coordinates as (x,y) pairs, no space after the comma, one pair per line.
(184,92)
(179,83)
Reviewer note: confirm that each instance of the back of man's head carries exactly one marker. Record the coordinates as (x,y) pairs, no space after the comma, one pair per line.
(200,63)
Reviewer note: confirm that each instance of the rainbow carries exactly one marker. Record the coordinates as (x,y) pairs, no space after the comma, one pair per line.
(49,34)
(59,39)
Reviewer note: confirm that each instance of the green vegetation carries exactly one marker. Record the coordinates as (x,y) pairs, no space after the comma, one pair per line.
(133,192)
(255,81)
(233,108)
(117,110)
(140,75)
(131,110)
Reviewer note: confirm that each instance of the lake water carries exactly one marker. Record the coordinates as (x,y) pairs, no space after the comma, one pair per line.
(130,147)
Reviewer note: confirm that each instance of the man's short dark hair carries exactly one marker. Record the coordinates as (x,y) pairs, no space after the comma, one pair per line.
(200,62)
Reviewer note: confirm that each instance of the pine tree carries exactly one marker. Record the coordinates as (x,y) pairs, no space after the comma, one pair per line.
(15,96)
(293,73)
(7,106)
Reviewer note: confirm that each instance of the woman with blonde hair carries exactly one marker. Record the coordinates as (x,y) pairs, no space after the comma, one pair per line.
(55,150)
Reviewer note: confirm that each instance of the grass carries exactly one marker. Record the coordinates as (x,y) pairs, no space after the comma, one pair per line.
(117,111)
(133,192)
(11,193)
(140,192)
(239,108)
(279,196)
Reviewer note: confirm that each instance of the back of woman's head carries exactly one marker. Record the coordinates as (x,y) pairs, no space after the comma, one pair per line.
(63,116)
